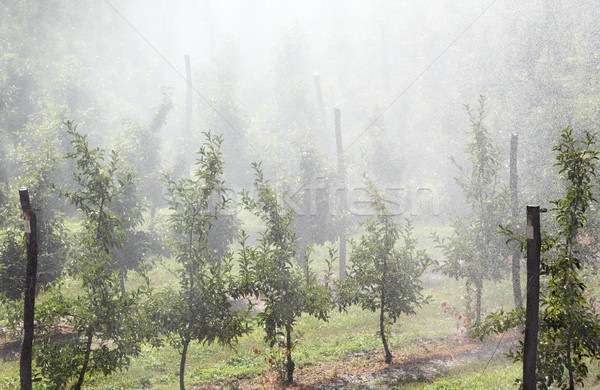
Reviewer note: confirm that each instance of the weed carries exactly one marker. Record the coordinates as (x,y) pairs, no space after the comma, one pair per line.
(464,319)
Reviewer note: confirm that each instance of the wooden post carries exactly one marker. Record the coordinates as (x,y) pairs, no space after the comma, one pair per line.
(384,51)
(322,117)
(30,221)
(343,205)
(188,158)
(516,256)
(211,28)
(533,297)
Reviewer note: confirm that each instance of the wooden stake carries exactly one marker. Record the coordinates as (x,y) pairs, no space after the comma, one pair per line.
(322,117)
(211,28)
(30,283)
(516,256)
(188,158)
(343,205)
(533,297)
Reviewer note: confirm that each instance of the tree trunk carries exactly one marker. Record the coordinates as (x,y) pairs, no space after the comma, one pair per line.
(478,291)
(290,363)
(86,360)
(342,200)
(122,274)
(388,354)
(186,343)
(190,319)
(342,254)
(570,366)
(90,331)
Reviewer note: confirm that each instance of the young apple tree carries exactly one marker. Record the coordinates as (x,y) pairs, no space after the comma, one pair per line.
(569,327)
(201,308)
(475,252)
(385,269)
(269,272)
(103,318)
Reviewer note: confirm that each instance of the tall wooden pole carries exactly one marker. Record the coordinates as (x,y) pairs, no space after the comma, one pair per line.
(533,297)
(320,138)
(30,282)
(211,28)
(385,55)
(343,206)
(514,195)
(188,116)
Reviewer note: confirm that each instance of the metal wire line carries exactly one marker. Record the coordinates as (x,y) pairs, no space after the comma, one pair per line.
(180,74)
(402,92)
(420,75)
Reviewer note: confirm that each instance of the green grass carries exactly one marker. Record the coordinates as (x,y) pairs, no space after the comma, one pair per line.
(500,375)
(345,335)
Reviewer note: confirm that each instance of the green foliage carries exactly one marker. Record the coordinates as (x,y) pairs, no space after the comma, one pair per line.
(12,259)
(36,167)
(136,245)
(385,158)
(475,251)
(11,316)
(276,357)
(201,309)
(102,316)
(569,333)
(384,277)
(224,115)
(570,329)
(269,272)
(295,111)
(140,146)
(313,222)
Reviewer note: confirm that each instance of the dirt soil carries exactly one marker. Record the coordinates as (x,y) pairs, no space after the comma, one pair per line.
(10,347)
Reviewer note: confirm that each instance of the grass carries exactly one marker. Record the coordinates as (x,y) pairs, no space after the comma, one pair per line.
(343,337)
(500,375)
(157,368)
